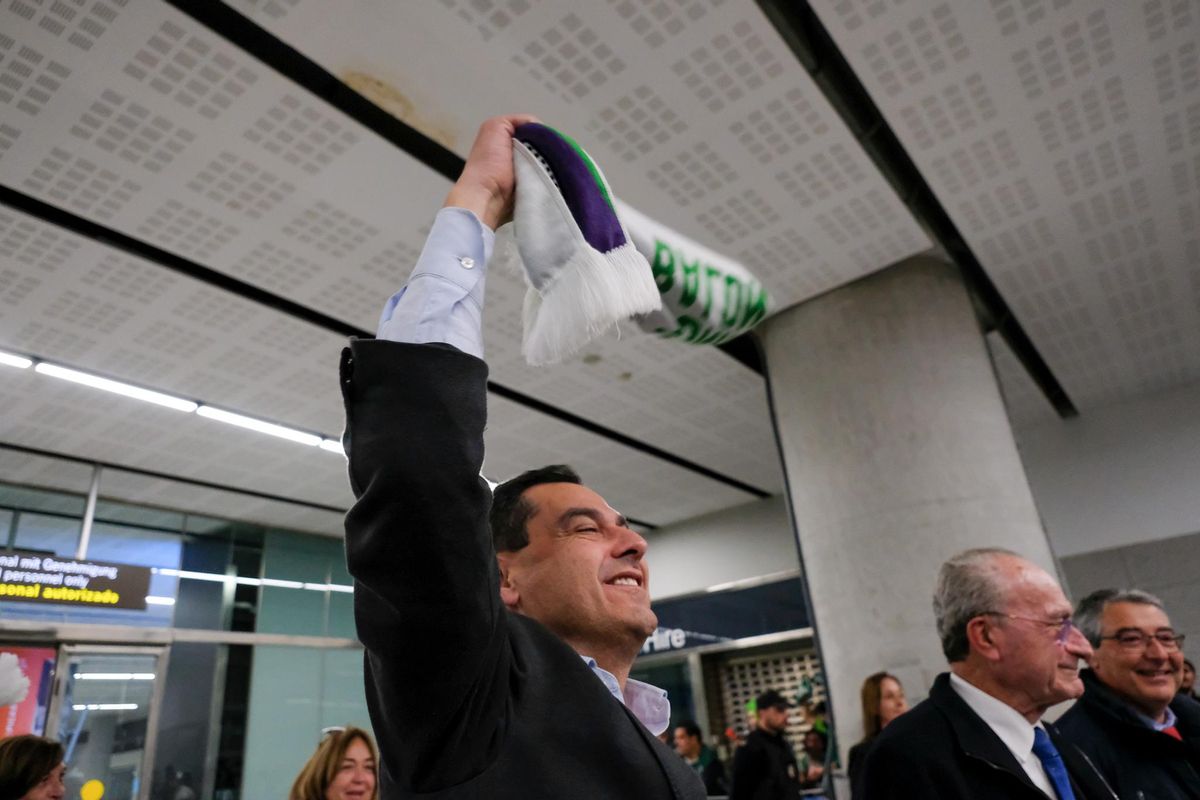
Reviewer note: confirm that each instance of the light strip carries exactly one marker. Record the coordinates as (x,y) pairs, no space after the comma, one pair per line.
(116,387)
(262,426)
(155,600)
(275,582)
(14,360)
(333,446)
(105,707)
(114,676)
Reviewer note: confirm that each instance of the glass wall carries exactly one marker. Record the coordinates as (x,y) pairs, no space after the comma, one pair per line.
(236,720)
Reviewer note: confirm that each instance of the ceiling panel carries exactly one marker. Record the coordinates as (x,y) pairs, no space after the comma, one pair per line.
(1064,140)
(165,132)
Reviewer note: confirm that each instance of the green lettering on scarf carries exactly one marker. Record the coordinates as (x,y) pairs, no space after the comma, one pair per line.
(663,266)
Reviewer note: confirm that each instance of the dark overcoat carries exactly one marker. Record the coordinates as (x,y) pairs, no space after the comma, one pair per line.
(941,749)
(1137,760)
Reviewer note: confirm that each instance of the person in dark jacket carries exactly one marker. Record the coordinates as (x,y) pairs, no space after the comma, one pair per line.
(1141,735)
(689,743)
(1006,630)
(883,700)
(499,630)
(764,768)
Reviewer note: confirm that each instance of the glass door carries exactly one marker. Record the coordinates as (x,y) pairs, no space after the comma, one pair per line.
(105,713)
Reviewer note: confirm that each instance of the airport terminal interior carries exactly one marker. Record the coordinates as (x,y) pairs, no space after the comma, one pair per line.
(974,229)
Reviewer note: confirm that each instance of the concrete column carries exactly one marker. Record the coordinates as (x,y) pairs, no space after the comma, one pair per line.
(898,454)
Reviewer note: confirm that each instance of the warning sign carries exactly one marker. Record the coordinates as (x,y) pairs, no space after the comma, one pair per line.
(39,578)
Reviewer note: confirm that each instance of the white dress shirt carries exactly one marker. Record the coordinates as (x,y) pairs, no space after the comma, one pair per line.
(1012,728)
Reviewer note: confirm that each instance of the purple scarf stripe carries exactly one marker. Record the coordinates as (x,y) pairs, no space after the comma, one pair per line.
(587,204)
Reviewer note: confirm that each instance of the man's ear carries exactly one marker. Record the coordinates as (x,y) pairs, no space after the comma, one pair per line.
(508,592)
(982,636)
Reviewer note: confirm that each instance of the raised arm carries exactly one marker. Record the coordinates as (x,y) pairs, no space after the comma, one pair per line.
(427,601)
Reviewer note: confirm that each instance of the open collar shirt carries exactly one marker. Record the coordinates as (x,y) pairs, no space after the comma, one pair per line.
(1010,726)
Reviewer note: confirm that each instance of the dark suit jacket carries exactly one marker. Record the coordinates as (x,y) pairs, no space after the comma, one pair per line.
(942,749)
(466,699)
(1137,760)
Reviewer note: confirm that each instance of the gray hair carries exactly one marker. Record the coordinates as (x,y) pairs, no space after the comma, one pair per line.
(967,586)
(1089,613)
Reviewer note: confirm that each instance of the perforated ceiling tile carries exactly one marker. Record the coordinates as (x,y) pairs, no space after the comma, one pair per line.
(274,8)
(738,216)
(935,119)
(636,123)
(329,229)
(785,122)
(489,17)
(79,184)
(928,45)
(241,185)
(1077,49)
(28,78)
(193,70)
(40,248)
(77,21)
(117,125)
(277,269)
(570,58)
(693,173)
(302,134)
(662,20)
(187,231)
(732,65)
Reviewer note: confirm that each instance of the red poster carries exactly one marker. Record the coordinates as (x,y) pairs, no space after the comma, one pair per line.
(26,678)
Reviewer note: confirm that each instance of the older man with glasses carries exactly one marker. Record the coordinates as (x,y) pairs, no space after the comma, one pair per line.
(1144,739)
(1006,630)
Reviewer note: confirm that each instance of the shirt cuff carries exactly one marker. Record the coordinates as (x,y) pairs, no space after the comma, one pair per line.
(443,299)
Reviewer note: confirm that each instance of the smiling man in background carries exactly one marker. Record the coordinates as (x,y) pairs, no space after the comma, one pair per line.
(1129,721)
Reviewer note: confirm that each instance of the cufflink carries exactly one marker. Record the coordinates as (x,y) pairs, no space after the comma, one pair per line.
(467,262)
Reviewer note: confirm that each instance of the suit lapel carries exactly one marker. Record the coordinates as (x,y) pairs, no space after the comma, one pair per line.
(658,749)
(974,737)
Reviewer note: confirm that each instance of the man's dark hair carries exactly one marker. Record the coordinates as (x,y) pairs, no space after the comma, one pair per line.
(510,511)
(690,728)
(25,761)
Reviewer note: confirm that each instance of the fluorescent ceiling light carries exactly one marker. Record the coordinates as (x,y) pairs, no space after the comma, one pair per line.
(333,446)
(105,707)
(116,387)
(276,582)
(262,426)
(114,676)
(154,600)
(14,360)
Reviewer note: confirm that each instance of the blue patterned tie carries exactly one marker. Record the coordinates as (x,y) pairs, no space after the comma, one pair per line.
(1056,770)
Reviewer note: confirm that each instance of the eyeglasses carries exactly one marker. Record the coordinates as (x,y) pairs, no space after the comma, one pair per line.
(1064,626)
(1140,640)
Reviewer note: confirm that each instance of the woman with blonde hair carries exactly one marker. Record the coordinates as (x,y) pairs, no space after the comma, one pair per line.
(882,701)
(343,768)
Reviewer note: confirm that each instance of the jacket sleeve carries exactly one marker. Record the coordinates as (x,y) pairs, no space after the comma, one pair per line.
(890,773)
(426,591)
(749,770)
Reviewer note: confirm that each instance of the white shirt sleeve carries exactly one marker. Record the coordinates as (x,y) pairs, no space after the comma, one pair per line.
(443,299)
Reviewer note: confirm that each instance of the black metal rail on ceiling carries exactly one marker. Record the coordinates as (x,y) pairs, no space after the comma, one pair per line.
(220,487)
(820,56)
(64,219)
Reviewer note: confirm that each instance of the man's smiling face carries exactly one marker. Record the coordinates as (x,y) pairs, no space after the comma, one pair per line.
(1146,677)
(583,573)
